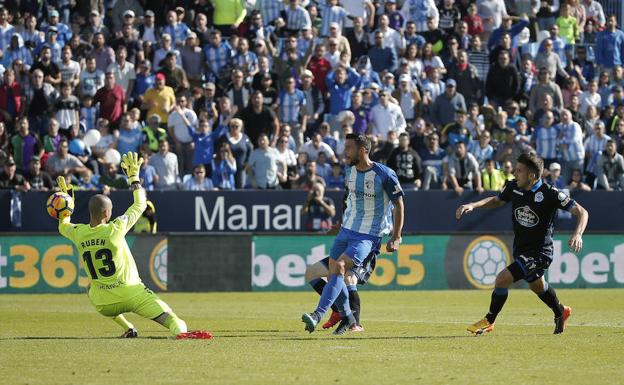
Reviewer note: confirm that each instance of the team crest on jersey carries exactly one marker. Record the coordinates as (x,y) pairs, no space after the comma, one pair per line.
(539,197)
(368,184)
(526,217)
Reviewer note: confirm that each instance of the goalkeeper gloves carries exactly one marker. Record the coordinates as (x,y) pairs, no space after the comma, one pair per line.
(131,164)
(64,187)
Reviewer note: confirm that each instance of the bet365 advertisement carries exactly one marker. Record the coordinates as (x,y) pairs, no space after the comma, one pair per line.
(439,262)
(50,264)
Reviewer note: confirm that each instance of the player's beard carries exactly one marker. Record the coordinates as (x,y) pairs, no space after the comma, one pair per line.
(354,160)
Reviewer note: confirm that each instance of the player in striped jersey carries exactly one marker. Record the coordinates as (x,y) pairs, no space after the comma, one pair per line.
(372,189)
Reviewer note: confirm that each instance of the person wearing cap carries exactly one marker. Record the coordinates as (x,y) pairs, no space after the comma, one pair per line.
(122,9)
(10,179)
(315,105)
(63,31)
(445,105)
(554,176)
(382,58)
(177,30)
(16,51)
(407,96)
(94,25)
(38,179)
(147,29)
(159,99)
(207,102)
(153,133)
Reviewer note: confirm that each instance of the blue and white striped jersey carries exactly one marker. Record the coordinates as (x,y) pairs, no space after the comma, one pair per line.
(571,141)
(545,139)
(369,199)
(331,14)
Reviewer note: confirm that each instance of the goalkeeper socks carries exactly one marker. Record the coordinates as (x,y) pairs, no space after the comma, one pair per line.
(331,292)
(123,322)
(499,296)
(174,324)
(354,302)
(549,297)
(318,285)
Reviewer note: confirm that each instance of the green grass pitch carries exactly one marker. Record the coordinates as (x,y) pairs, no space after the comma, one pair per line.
(413,337)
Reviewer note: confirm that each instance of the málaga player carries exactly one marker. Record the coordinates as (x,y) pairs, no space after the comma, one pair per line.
(371,187)
(115,285)
(534,207)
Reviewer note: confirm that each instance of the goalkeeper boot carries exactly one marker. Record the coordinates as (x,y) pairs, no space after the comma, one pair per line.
(195,335)
(481,327)
(130,333)
(332,321)
(561,322)
(311,320)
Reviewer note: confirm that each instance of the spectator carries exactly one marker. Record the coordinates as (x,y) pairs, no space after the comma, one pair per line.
(103,54)
(292,104)
(445,105)
(576,182)
(262,166)
(37,179)
(544,139)
(179,124)
(112,100)
(166,165)
(192,60)
(570,143)
(544,86)
(175,76)
(465,74)
(147,174)
(123,71)
(594,147)
(309,178)
(407,97)
(512,147)
(159,99)
(318,210)
(463,170)
(610,45)
(64,163)
(482,149)
(315,145)
(153,134)
(554,177)
(610,169)
(91,78)
(198,181)
(550,60)
(229,14)
(432,157)
(67,114)
(52,139)
(493,179)
(382,58)
(407,164)
(111,179)
(24,145)
(10,179)
(479,58)
(129,138)
(224,168)
(502,82)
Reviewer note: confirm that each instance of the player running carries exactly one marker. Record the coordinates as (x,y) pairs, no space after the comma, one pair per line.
(115,285)
(371,187)
(534,208)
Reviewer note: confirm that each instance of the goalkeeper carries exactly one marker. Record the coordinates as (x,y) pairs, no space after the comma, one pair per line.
(115,285)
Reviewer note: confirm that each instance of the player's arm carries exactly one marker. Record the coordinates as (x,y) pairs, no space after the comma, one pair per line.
(488,203)
(397,228)
(131,164)
(582,216)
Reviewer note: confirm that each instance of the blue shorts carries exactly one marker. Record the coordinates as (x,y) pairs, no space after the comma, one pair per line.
(356,246)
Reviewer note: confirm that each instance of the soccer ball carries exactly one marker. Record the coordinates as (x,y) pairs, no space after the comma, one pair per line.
(60,204)
(485,260)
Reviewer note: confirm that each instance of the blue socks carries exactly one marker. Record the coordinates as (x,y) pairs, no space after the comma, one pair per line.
(334,291)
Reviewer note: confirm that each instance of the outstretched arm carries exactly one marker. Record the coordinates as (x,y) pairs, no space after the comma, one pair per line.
(486,203)
(131,164)
(582,216)
(65,226)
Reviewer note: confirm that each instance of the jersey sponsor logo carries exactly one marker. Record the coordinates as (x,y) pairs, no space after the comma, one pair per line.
(539,197)
(484,258)
(518,192)
(526,217)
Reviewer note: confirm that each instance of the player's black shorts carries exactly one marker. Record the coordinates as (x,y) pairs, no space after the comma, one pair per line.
(529,268)
(363,272)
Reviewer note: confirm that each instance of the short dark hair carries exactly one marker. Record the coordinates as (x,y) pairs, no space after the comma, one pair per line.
(533,162)
(361,141)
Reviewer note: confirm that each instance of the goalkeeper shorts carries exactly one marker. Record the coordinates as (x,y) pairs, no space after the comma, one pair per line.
(146,304)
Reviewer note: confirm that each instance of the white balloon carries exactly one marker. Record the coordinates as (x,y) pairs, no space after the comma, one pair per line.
(92,137)
(112,156)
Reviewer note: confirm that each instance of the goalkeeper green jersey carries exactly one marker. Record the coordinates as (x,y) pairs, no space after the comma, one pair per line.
(106,257)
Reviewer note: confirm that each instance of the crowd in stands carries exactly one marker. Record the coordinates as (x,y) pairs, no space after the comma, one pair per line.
(233,94)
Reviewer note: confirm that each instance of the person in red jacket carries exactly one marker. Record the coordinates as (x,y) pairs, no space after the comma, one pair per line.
(10,100)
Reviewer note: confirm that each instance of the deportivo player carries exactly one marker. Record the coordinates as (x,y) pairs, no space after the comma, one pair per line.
(115,286)
(371,187)
(534,208)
